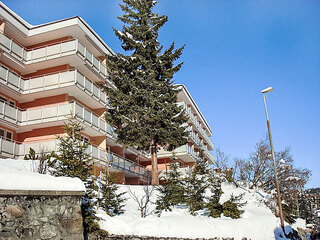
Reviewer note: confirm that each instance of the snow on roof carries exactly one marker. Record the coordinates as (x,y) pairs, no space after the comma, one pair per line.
(19,175)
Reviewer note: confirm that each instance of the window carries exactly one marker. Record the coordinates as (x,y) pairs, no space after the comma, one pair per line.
(2,99)
(9,136)
(9,102)
(4,134)
(84,139)
(1,133)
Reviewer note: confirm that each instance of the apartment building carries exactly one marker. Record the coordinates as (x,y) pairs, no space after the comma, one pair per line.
(198,138)
(50,72)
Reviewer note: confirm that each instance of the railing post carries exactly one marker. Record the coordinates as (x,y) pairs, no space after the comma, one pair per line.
(60,50)
(57,112)
(76,43)
(7,76)
(3,109)
(16,115)
(41,114)
(10,46)
(46,53)
(32,55)
(0,144)
(99,94)
(59,79)
(83,117)
(22,53)
(73,109)
(27,119)
(20,88)
(75,76)
(14,149)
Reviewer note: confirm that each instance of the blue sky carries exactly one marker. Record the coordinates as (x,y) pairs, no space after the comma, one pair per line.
(234,49)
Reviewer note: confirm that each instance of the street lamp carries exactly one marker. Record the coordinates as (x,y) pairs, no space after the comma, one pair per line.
(267,90)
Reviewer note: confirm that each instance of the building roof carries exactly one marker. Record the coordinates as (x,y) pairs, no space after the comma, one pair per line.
(32,30)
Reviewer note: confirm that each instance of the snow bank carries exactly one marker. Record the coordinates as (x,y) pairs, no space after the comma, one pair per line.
(19,175)
(256,223)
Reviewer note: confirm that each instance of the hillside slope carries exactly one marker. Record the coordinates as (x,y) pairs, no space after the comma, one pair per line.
(256,223)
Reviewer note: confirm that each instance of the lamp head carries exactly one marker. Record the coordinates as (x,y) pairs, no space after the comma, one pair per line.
(269,89)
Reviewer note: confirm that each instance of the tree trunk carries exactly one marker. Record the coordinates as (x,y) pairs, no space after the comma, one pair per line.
(154,164)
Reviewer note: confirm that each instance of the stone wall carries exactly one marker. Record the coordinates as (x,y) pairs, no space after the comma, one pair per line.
(40,215)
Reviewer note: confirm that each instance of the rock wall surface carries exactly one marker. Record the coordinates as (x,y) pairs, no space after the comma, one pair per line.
(40,215)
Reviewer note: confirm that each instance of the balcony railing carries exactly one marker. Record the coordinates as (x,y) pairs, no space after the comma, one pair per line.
(207,153)
(55,113)
(196,123)
(51,51)
(128,165)
(51,81)
(193,136)
(8,148)
(16,149)
(199,143)
(187,149)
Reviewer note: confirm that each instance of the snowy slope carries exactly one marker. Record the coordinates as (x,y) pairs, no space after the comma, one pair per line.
(20,175)
(256,223)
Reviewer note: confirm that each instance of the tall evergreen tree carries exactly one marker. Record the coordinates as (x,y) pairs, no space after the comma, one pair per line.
(143,104)
(72,160)
(172,192)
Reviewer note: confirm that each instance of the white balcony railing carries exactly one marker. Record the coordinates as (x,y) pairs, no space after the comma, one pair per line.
(186,149)
(51,51)
(196,123)
(51,81)
(193,136)
(16,149)
(55,113)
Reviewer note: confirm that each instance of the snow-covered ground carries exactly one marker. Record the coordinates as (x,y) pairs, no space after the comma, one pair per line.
(256,223)
(21,175)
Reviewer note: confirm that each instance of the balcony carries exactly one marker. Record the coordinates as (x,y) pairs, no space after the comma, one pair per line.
(207,153)
(56,115)
(193,136)
(185,152)
(197,141)
(197,125)
(53,51)
(128,166)
(16,149)
(27,89)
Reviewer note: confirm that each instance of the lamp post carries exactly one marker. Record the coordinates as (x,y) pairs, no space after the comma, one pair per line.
(267,90)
